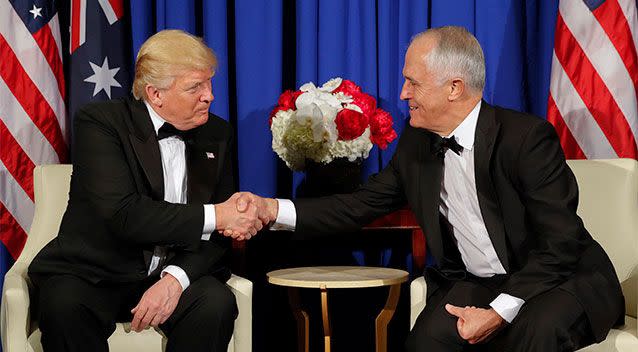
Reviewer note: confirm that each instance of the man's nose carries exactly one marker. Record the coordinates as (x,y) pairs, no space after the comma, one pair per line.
(208,96)
(405,93)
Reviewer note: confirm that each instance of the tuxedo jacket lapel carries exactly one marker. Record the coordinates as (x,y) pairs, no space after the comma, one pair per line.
(487,130)
(203,158)
(146,147)
(430,171)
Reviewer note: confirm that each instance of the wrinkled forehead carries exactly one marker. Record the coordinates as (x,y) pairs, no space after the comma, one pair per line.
(415,62)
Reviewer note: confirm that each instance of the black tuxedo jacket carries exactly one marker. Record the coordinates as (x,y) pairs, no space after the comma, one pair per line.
(116,210)
(528,198)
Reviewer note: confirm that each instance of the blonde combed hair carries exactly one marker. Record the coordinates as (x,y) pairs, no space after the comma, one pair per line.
(167,54)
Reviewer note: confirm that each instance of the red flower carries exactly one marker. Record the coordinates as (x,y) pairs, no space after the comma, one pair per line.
(347,87)
(381,132)
(366,102)
(350,124)
(286,102)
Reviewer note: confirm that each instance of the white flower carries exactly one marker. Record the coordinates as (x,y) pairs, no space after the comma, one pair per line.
(353,107)
(353,149)
(343,97)
(316,96)
(332,84)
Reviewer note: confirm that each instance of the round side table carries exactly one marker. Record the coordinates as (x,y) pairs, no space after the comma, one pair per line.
(327,277)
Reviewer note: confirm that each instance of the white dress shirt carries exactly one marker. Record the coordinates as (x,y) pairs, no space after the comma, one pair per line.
(459,204)
(173,153)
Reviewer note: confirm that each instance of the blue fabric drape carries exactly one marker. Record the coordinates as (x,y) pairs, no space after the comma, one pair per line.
(258,28)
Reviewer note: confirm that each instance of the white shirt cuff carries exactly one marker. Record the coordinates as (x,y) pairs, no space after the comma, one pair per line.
(286,216)
(209,221)
(177,273)
(507,306)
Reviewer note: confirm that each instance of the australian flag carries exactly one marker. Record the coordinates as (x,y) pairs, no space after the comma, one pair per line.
(100,46)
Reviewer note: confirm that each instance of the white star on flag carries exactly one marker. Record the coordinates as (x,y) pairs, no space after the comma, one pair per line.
(36,11)
(103,77)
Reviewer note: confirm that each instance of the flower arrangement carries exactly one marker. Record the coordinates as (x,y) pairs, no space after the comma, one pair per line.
(336,120)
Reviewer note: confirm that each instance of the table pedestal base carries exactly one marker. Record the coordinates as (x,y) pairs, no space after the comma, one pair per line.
(303,319)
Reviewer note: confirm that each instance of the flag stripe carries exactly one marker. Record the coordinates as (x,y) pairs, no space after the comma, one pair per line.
(55,31)
(16,161)
(12,235)
(19,124)
(584,77)
(576,116)
(108,11)
(31,99)
(78,24)
(611,18)
(15,199)
(629,11)
(31,58)
(44,38)
(82,24)
(602,56)
(75,25)
(570,146)
(118,7)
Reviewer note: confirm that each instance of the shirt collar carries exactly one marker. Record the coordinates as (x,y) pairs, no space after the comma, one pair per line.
(155,118)
(465,131)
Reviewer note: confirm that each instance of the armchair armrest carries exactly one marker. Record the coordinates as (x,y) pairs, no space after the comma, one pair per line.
(418,294)
(243,290)
(14,314)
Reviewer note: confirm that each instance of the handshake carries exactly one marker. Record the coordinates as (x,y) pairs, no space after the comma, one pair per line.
(244,214)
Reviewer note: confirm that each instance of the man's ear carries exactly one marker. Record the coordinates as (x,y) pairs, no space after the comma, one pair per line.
(457,88)
(153,95)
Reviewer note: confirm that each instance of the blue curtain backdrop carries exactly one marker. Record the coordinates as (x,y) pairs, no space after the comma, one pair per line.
(265,47)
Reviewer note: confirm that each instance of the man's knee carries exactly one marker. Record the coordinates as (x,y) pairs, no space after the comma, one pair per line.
(436,331)
(56,304)
(63,305)
(217,302)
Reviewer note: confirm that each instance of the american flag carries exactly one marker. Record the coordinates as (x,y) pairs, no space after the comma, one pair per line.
(33,127)
(594,82)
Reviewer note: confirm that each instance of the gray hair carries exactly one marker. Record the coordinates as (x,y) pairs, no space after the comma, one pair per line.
(457,53)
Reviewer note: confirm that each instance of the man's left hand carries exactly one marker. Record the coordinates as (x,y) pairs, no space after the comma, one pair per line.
(476,325)
(157,303)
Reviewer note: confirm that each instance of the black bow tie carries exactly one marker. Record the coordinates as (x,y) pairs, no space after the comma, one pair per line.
(168,130)
(440,145)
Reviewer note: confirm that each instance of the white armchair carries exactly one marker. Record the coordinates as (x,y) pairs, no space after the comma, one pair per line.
(609,208)
(21,333)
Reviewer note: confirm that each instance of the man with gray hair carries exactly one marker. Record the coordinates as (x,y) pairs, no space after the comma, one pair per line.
(136,242)
(515,269)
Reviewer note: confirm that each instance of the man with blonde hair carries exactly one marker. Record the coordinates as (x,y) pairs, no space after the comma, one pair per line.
(136,242)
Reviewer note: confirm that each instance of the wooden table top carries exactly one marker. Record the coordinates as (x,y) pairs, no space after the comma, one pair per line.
(337,277)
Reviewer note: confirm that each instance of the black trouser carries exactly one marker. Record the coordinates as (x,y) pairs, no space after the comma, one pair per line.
(552,321)
(76,315)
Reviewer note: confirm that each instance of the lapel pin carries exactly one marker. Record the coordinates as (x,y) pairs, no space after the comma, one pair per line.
(210,155)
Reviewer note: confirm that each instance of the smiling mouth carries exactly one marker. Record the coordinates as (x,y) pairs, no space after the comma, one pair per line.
(412,108)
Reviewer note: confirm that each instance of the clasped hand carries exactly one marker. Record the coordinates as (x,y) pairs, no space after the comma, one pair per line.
(244,214)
